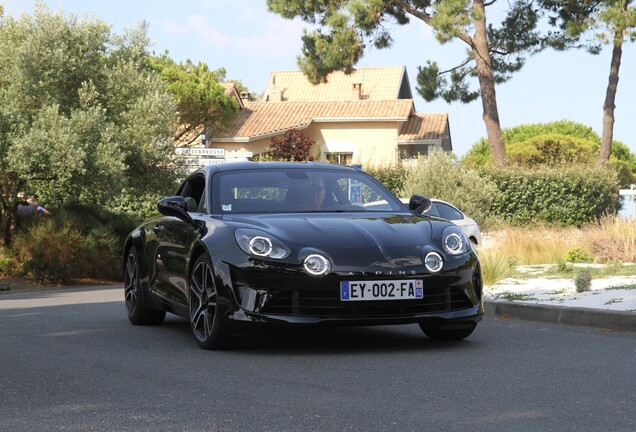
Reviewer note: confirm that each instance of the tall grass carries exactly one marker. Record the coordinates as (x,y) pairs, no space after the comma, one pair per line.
(534,245)
(612,240)
(496,266)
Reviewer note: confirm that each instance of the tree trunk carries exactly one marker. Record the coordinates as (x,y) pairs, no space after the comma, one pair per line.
(487,87)
(8,201)
(610,98)
(6,226)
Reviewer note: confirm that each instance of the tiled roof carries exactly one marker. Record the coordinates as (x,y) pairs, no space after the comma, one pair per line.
(424,127)
(260,119)
(380,83)
(229,86)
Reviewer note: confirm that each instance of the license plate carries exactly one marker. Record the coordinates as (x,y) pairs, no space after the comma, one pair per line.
(381,290)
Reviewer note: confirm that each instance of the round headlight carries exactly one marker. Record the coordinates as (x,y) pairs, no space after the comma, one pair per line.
(261,246)
(454,243)
(316,265)
(433,262)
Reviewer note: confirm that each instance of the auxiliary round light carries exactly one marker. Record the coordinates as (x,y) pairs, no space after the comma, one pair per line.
(261,246)
(433,262)
(316,265)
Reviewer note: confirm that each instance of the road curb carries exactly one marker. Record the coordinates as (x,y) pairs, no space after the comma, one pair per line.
(601,318)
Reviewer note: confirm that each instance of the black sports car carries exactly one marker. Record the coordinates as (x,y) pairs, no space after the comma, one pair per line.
(299,243)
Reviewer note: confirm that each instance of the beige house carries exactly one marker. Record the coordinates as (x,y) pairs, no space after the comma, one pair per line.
(367,118)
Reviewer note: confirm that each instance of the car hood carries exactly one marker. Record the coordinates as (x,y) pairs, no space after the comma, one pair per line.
(351,238)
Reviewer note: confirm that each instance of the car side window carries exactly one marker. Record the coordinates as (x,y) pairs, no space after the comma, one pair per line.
(194,192)
(449,212)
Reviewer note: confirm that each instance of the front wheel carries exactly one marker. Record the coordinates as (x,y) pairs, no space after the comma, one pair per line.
(133,293)
(205,319)
(439,333)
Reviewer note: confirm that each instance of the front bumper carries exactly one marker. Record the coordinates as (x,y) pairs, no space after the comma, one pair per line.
(268,293)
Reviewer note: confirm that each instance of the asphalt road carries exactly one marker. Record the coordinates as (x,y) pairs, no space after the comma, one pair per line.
(70,361)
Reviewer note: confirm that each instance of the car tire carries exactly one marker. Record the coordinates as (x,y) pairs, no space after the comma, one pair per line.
(205,317)
(438,333)
(133,294)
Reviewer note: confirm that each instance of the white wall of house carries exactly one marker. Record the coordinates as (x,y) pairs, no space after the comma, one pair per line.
(371,144)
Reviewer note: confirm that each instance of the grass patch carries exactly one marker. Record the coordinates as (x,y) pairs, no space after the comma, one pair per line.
(557,292)
(510,296)
(613,301)
(622,287)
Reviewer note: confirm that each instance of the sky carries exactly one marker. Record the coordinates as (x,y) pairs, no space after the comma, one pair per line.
(250,42)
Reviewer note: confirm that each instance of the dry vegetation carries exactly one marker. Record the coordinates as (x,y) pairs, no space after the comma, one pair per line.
(613,239)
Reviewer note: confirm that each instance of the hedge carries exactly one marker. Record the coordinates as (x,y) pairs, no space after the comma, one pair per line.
(569,195)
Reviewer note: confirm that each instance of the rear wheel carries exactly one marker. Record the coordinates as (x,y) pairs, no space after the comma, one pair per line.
(204,312)
(133,292)
(454,333)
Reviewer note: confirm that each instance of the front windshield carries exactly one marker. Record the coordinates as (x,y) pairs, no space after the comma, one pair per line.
(300,191)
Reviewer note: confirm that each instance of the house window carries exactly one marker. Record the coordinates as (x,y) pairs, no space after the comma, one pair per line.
(413,151)
(339,158)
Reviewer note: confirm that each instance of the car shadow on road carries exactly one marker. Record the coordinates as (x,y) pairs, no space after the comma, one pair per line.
(325,340)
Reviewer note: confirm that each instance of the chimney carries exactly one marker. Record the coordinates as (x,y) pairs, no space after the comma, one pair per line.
(357,91)
(276,96)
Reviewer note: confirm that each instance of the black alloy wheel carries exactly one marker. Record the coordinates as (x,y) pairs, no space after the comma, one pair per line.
(205,318)
(137,314)
(438,333)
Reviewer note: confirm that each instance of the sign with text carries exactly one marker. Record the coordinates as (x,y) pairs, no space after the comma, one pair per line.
(202,152)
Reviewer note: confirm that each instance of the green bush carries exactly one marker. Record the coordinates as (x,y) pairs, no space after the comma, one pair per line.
(583,281)
(440,176)
(555,142)
(578,255)
(78,242)
(6,263)
(391,177)
(568,195)
(553,149)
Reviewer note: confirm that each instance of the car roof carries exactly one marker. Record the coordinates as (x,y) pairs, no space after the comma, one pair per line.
(253,166)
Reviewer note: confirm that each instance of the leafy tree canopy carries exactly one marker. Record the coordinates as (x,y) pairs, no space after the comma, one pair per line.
(346,28)
(82,118)
(598,22)
(201,100)
(553,144)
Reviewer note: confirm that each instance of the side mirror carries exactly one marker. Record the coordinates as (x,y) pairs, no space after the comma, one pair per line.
(176,206)
(419,204)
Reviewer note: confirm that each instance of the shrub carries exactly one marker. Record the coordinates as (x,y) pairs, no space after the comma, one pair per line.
(550,142)
(569,195)
(562,266)
(439,176)
(553,149)
(292,146)
(84,243)
(6,262)
(391,177)
(578,255)
(583,281)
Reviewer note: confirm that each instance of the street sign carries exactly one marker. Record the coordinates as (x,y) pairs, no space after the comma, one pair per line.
(203,152)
